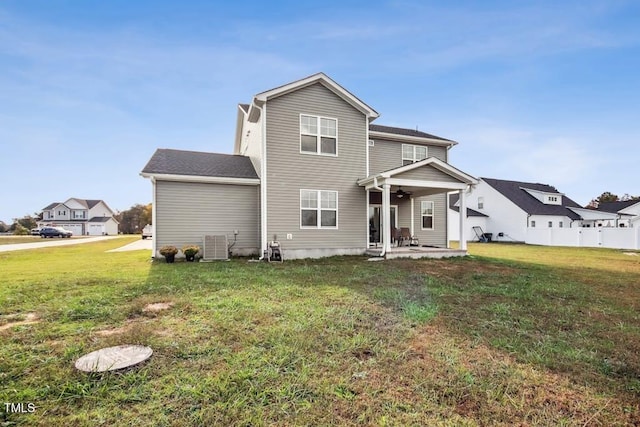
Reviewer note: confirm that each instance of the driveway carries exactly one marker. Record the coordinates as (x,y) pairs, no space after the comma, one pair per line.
(51,242)
(138,245)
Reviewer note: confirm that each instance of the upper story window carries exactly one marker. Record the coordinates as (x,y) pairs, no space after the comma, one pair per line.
(552,200)
(413,153)
(318,135)
(318,209)
(79,215)
(480,202)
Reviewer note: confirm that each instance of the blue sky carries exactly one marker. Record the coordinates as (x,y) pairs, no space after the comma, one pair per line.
(540,91)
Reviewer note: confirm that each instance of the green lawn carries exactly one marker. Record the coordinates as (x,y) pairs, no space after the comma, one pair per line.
(513,335)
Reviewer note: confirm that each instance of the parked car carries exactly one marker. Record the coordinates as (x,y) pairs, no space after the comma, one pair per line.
(35,231)
(55,232)
(147,231)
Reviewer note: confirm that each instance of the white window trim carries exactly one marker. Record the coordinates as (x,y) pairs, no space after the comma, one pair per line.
(319,210)
(433,215)
(318,136)
(480,202)
(413,150)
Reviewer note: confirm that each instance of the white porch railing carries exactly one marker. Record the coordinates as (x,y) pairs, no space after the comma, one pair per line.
(605,237)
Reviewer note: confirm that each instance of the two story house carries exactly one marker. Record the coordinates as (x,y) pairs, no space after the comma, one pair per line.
(82,217)
(313,172)
(506,209)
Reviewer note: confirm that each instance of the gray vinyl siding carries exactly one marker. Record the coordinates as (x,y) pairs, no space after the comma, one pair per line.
(437,236)
(426,173)
(386,155)
(185,212)
(289,171)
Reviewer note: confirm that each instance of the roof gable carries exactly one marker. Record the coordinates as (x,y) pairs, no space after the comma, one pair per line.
(437,164)
(327,82)
(616,206)
(516,192)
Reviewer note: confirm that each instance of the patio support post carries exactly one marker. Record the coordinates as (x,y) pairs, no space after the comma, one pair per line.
(386,217)
(463,218)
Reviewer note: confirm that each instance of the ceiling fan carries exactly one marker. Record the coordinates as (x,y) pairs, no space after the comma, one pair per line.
(401,193)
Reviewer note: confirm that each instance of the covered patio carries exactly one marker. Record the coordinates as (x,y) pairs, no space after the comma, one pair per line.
(409,189)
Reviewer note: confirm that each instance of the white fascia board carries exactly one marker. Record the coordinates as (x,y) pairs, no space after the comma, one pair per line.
(262,97)
(413,139)
(240,118)
(204,179)
(546,193)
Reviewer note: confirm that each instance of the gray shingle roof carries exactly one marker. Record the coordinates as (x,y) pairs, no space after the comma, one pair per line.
(245,107)
(195,163)
(453,199)
(51,206)
(100,219)
(404,132)
(614,207)
(513,190)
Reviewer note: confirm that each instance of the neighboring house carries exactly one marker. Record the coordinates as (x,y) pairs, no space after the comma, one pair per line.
(627,212)
(83,217)
(474,219)
(310,170)
(512,206)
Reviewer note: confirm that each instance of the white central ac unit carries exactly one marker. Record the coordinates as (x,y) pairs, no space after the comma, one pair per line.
(215,248)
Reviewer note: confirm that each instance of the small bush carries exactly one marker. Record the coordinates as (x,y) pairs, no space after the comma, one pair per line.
(168,250)
(190,250)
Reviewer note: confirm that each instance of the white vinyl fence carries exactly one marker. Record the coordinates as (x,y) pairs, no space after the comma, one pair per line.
(605,237)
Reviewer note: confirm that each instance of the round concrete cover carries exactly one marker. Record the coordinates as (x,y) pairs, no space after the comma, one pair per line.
(113,358)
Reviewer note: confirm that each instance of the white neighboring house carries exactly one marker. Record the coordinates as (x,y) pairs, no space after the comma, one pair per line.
(512,206)
(474,219)
(82,217)
(626,213)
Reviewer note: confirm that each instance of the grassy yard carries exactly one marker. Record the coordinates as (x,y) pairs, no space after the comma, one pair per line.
(513,335)
(10,240)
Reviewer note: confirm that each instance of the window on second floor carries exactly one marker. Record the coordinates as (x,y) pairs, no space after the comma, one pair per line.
(413,153)
(480,202)
(533,224)
(318,135)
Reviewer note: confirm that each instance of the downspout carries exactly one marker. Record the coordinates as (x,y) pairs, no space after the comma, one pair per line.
(154,234)
(263,182)
(376,187)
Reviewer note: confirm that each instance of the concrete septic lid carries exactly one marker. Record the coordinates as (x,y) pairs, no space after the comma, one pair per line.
(113,358)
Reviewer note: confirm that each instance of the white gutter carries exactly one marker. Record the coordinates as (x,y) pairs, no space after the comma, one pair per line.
(263,183)
(154,235)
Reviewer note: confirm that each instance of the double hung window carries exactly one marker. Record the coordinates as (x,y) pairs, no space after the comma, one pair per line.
(318,135)
(318,209)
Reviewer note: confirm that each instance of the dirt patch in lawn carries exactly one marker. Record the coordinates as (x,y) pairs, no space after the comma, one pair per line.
(468,372)
(156,307)
(18,320)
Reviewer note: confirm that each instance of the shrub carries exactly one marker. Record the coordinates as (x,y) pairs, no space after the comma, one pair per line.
(190,250)
(168,250)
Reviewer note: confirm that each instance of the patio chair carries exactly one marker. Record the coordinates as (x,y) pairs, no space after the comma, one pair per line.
(405,236)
